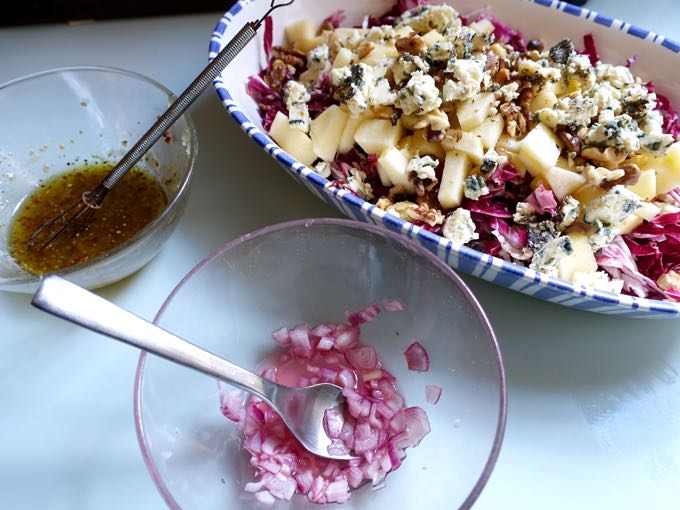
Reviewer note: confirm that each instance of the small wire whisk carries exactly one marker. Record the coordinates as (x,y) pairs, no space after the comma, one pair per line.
(76,217)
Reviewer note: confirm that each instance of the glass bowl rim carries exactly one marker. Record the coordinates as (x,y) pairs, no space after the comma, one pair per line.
(479,311)
(182,190)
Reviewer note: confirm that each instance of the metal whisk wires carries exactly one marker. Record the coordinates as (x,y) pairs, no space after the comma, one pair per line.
(76,217)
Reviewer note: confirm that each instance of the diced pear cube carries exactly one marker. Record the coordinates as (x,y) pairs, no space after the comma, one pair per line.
(668,170)
(300,30)
(483,26)
(347,137)
(646,185)
(376,135)
(379,53)
(540,149)
(563,182)
(292,140)
(513,157)
(306,45)
(588,192)
(546,98)
(629,224)
(508,143)
(392,165)
(472,112)
(581,260)
(326,131)
(343,58)
(647,211)
(538,181)
(418,143)
(490,130)
(432,37)
(468,143)
(456,167)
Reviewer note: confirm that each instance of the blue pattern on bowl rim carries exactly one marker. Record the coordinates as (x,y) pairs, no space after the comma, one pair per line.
(481,265)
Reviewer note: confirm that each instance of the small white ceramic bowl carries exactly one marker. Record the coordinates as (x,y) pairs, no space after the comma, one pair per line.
(311,272)
(545,19)
(62,118)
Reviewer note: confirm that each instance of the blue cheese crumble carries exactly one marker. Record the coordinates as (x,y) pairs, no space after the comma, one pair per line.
(598,280)
(459,227)
(296,97)
(613,207)
(475,187)
(422,168)
(550,255)
(352,84)
(420,95)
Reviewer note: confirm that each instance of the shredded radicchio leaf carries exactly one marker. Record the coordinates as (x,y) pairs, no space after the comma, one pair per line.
(268,36)
(335,19)
(590,49)
(269,101)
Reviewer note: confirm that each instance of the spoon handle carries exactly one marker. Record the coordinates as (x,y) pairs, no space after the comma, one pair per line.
(75,304)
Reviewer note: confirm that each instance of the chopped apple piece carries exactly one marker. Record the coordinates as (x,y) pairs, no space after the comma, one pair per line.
(326,132)
(588,192)
(629,224)
(540,149)
(581,260)
(546,98)
(376,135)
(647,211)
(306,45)
(472,112)
(508,143)
(379,53)
(490,130)
(292,140)
(483,26)
(456,168)
(392,165)
(646,185)
(300,30)
(418,143)
(432,37)
(563,182)
(667,169)
(343,58)
(347,137)
(468,143)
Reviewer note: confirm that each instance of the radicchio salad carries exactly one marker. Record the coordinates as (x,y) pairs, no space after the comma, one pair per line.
(377,428)
(544,156)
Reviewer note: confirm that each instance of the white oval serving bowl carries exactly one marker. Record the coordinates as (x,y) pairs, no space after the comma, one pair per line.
(545,19)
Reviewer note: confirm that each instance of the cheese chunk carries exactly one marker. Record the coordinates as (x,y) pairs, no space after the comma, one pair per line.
(376,135)
(456,168)
(472,112)
(582,258)
(292,140)
(539,150)
(326,132)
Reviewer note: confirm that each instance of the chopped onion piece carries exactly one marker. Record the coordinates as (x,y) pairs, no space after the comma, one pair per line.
(416,357)
(393,305)
(332,423)
(432,393)
(362,358)
(363,316)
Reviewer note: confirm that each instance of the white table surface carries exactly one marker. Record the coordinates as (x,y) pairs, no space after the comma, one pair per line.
(594,402)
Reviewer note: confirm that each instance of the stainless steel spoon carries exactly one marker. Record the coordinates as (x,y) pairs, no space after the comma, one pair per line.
(302,409)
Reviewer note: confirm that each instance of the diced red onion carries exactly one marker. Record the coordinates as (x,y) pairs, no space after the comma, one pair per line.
(325,343)
(363,316)
(417,425)
(346,337)
(362,358)
(265,497)
(232,404)
(393,305)
(416,357)
(432,393)
(332,423)
(281,336)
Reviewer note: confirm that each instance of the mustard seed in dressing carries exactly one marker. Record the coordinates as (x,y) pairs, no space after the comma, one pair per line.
(131,205)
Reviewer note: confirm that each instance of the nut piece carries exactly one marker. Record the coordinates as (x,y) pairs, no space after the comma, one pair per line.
(364,49)
(412,44)
(631,176)
(571,141)
(515,121)
(503,76)
(526,95)
(535,45)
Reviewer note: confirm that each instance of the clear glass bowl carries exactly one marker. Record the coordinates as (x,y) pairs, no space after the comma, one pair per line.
(57,119)
(312,271)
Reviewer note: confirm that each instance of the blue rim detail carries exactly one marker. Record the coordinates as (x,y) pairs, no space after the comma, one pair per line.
(493,269)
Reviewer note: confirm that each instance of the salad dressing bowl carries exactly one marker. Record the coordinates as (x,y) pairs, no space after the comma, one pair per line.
(550,21)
